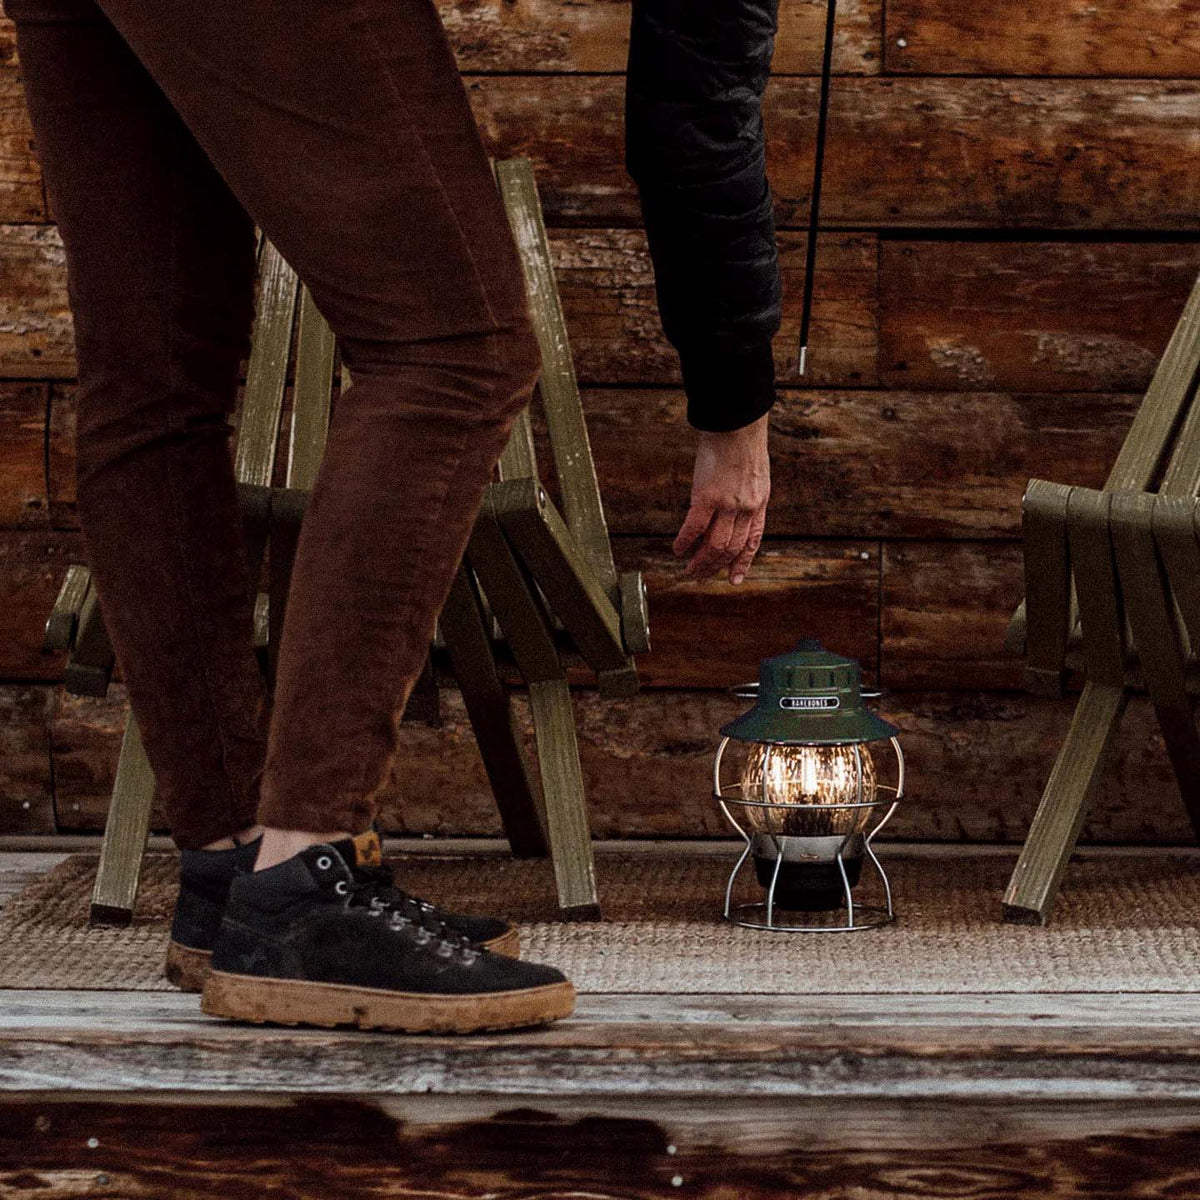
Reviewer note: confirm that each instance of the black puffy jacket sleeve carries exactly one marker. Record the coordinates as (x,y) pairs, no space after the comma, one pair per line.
(695,148)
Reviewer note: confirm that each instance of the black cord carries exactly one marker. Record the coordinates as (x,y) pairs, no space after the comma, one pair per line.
(814,208)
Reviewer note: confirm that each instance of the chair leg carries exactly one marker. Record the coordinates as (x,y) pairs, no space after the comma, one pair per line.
(489,708)
(125,833)
(566,809)
(1064,806)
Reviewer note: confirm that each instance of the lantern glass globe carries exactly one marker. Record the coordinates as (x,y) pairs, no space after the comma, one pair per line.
(806,781)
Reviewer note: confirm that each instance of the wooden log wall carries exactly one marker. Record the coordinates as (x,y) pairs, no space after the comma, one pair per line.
(1012,208)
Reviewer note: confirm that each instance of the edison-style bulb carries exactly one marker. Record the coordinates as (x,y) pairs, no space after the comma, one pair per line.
(807,779)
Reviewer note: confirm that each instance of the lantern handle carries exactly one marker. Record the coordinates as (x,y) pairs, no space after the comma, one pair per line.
(745,691)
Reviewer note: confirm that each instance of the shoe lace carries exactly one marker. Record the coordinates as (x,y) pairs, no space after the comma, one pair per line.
(375,889)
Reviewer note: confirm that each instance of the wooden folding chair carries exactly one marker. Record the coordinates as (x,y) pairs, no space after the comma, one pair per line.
(536,590)
(1112,589)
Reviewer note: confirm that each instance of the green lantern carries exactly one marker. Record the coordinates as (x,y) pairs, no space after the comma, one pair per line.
(808,789)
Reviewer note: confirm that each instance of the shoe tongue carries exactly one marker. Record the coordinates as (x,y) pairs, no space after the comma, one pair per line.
(363,850)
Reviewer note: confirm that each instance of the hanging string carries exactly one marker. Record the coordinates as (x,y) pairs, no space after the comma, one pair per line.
(814,208)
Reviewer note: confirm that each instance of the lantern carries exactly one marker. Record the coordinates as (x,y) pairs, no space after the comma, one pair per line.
(810,796)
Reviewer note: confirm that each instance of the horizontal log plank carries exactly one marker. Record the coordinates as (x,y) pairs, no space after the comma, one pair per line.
(865,464)
(978,764)
(944,613)
(980,1048)
(23,498)
(607,286)
(1044,316)
(562,36)
(710,633)
(846,464)
(33,564)
(1052,154)
(8,40)
(1155,38)
(26,781)
(37,337)
(544,36)
(21,196)
(903,152)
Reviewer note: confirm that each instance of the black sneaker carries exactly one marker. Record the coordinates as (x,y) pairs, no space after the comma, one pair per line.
(205,876)
(204,879)
(294,948)
(364,855)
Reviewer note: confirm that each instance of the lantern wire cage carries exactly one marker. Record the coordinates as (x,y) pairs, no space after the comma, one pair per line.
(857,916)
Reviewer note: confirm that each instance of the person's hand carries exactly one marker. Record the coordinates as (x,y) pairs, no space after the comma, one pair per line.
(730,488)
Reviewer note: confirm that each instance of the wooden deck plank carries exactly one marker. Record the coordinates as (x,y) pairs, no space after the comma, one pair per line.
(1063,1047)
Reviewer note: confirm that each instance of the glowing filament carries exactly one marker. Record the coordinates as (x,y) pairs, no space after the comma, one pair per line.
(805,781)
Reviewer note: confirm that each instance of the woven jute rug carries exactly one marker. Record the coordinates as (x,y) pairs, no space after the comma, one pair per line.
(1122,925)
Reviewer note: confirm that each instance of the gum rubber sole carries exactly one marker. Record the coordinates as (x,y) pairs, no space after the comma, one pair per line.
(327,1005)
(188,968)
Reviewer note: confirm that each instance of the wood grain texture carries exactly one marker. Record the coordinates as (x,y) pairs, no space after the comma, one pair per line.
(8,40)
(1156,38)
(23,499)
(636,1096)
(846,464)
(711,634)
(865,463)
(26,783)
(562,37)
(36,331)
(607,288)
(978,763)
(908,152)
(21,197)
(741,1051)
(1045,316)
(945,608)
(32,566)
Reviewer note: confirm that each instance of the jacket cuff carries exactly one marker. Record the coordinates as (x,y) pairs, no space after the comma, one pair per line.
(727,389)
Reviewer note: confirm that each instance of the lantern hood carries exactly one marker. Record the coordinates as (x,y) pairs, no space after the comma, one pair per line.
(809,696)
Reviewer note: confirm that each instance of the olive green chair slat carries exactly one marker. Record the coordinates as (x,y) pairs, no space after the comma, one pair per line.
(316,348)
(115,890)
(1133,561)
(575,467)
(63,622)
(266,373)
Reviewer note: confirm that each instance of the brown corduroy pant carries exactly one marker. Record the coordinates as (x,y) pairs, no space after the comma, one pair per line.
(166,129)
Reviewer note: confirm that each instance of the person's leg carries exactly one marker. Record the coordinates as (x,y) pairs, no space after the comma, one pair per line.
(344,129)
(160,262)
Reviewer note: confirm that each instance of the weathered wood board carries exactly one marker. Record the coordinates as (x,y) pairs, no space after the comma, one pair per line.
(944,611)
(903,152)
(865,464)
(1020,315)
(37,337)
(637,1096)
(33,563)
(713,634)
(21,197)
(978,764)
(1154,38)
(607,288)
(846,464)
(562,36)
(26,781)
(23,496)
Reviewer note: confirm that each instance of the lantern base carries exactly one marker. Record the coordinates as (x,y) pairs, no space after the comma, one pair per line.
(755,916)
(808,887)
